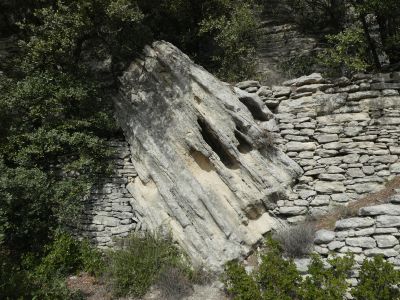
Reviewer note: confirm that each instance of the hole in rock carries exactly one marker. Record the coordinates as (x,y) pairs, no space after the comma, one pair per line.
(244,146)
(212,140)
(203,162)
(254,109)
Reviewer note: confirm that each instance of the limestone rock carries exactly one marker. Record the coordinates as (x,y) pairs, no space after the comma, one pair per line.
(363,242)
(247,84)
(384,252)
(329,187)
(383,209)
(354,223)
(206,167)
(316,104)
(386,241)
(310,79)
(324,236)
(388,221)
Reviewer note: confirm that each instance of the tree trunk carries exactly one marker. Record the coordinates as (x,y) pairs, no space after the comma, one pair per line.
(371,42)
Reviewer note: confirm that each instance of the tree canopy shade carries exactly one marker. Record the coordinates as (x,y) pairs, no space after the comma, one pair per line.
(358,35)
(56,113)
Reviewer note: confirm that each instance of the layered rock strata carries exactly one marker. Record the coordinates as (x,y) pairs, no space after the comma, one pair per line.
(207,171)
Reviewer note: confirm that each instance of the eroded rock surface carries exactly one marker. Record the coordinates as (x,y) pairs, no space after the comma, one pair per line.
(206,168)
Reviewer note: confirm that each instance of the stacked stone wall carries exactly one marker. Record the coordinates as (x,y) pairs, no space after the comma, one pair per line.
(108,213)
(344,133)
(374,231)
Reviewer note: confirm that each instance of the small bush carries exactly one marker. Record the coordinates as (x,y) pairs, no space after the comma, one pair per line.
(378,281)
(64,256)
(296,241)
(277,277)
(13,279)
(239,284)
(133,269)
(67,255)
(300,64)
(326,282)
(174,283)
(347,52)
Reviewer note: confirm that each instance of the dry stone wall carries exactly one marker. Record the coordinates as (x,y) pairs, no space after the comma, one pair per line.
(375,231)
(108,213)
(344,133)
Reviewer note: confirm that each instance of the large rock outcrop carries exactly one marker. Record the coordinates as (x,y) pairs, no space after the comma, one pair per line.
(206,169)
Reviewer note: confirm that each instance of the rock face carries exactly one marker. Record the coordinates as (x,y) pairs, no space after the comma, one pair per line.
(207,171)
(280,42)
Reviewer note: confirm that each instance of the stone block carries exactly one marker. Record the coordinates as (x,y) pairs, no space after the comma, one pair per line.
(386,241)
(298,146)
(388,221)
(324,236)
(363,242)
(354,223)
(382,209)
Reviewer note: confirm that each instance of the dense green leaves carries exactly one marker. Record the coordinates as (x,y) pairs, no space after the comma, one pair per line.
(234,37)
(327,283)
(347,51)
(274,283)
(240,284)
(378,281)
(360,35)
(278,278)
(55,112)
(52,150)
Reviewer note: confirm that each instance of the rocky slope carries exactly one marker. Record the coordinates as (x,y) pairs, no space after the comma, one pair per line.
(200,163)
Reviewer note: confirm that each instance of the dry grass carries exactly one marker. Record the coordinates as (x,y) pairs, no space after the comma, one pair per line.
(382,196)
(174,284)
(296,241)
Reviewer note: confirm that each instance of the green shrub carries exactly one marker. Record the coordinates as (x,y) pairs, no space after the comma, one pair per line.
(66,256)
(235,39)
(278,278)
(326,282)
(378,281)
(132,269)
(36,277)
(239,284)
(347,52)
(13,279)
(299,64)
